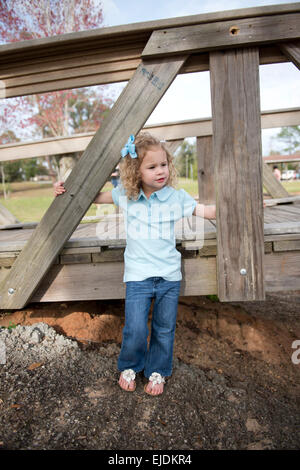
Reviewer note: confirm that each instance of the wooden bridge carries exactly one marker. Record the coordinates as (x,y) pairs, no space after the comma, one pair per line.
(247,250)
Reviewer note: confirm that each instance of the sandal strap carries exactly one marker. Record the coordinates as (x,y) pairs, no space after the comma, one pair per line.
(156,378)
(128,375)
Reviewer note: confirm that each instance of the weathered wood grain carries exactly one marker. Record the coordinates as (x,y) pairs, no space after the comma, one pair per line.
(206,184)
(282,271)
(292,51)
(282,200)
(128,116)
(286,245)
(272,185)
(105,281)
(80,52)
(164,131)
(282,228)
(6,217)
(221,35)
(116,35)
(238,173)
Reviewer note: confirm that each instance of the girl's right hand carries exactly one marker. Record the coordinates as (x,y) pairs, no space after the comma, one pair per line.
(59,188)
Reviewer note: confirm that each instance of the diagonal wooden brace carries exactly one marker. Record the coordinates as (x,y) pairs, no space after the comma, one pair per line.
(128,115)
(292,51)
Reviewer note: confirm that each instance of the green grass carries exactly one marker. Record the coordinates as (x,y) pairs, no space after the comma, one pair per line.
(28,201)
(189,185)
(291,186)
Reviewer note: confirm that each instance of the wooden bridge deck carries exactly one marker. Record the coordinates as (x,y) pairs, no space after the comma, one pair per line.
(76,274)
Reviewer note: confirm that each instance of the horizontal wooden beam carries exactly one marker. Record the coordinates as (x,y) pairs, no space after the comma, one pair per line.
(89,282)
(167,131)
(221,35)
(63,71)
(71,42)
(108,55)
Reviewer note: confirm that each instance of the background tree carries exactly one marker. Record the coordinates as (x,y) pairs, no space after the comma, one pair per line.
(57,113)
(186,161)
(291,137)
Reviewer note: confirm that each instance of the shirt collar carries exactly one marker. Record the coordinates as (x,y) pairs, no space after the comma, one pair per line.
(161,194)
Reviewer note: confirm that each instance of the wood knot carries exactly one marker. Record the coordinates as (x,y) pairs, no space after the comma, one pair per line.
(234,30)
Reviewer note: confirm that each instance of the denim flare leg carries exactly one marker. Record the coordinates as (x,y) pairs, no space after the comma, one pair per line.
(135,353)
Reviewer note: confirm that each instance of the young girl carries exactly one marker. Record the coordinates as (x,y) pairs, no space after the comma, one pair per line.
(152,264)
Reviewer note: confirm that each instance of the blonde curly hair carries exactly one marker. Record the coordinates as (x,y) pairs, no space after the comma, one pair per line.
(129,167)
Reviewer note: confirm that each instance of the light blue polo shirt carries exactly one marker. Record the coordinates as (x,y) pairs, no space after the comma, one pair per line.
(149,224)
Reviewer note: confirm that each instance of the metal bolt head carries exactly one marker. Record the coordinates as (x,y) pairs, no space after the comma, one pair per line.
(243,272)
(11,290)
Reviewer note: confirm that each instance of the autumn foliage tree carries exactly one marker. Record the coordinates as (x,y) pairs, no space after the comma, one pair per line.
(57,113)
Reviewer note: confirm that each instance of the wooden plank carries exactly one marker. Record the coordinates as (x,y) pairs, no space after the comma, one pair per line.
(287,213)
(72,73)
(209,247)
(89,282)
(282,271)
(238,173)
(105,281)
(105,256)
(271,55)
(282,200)
(292,51)
(167,131)
(76,258)
(280,237)
(128,116)
(221,35)
(130,32)
(281,228)
(286,245)
(206,185)
(80,250)
(25,57)
(272,185)
(70,83)
(173,145)
(69,60)
(6,217)
(195,63)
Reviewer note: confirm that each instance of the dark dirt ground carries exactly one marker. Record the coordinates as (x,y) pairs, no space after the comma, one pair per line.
(234,384)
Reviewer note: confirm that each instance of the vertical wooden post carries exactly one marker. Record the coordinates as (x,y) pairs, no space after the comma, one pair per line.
(238,173)
(206,185)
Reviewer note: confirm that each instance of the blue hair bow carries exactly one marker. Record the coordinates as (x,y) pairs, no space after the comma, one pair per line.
(129,148)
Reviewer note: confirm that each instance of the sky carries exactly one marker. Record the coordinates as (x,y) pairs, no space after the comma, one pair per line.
(189,95)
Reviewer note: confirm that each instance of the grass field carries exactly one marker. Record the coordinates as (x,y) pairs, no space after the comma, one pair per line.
(29,201)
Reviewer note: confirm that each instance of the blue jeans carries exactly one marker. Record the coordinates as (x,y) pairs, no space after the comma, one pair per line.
(135,353)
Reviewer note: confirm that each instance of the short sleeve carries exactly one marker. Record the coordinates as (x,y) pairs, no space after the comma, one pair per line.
(119,196)
(187,202)
(115,193)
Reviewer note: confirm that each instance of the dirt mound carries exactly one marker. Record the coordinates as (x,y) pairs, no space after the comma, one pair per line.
(234,384)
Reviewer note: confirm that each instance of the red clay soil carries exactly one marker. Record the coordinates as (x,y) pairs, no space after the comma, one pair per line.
(210,334)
